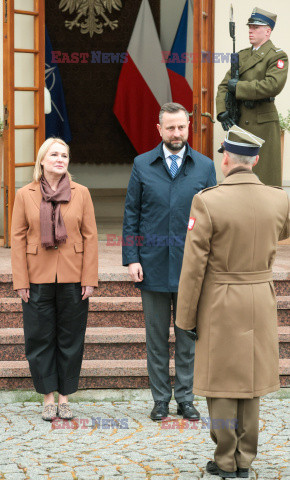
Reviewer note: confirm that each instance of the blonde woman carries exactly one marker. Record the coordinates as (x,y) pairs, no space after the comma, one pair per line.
(55,269)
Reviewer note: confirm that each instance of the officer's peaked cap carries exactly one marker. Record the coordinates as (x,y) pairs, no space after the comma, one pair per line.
(241,142)
(262,17)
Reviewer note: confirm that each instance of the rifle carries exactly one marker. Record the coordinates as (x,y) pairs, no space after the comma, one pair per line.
(232,104)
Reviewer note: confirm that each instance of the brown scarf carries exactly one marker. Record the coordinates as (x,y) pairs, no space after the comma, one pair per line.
(52,227)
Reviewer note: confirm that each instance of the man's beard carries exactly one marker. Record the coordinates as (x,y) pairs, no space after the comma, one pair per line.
(175,146)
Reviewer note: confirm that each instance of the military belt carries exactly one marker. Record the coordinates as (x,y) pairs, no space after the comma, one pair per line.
(253,103)
(241,277)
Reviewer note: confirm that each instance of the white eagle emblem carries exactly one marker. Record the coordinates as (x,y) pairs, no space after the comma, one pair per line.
(91,9)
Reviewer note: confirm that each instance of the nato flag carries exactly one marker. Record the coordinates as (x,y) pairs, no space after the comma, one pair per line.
(56,122)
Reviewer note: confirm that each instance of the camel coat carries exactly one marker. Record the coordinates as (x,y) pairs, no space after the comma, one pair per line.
(226,289)
(71,262)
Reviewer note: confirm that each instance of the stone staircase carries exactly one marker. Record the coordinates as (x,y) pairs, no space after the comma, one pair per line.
(115,348)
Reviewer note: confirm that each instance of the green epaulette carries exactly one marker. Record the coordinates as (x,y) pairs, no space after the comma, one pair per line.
(244,49)
(277,49)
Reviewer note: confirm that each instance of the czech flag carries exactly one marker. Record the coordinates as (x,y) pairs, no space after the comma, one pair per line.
(180,62)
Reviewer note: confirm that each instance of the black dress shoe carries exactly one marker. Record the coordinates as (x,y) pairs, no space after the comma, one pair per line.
(187,410)
(243,473)
(213,469)
(159,411)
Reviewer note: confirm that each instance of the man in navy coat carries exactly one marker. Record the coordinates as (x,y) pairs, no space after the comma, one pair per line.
(159,196)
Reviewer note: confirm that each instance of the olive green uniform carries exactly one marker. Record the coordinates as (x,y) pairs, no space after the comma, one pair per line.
(263,74)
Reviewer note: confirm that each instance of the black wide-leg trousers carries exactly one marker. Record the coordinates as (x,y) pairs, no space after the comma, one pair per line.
(55,320)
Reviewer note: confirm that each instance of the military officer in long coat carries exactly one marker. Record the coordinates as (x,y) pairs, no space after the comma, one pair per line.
(263,74)
(226,293)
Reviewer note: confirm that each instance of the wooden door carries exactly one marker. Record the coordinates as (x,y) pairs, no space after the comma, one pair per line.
(203,76)
(22,99)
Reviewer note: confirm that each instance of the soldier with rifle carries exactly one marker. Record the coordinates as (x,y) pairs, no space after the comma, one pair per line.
(247,94)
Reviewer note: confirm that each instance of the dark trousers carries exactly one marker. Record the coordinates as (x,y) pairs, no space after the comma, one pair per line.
(55,320)
(157,312)
(235,447)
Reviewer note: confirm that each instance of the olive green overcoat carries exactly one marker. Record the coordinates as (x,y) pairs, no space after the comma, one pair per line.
(226,288)
(263,74)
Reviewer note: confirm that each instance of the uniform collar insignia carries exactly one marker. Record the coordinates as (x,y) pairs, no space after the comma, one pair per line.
(257,56)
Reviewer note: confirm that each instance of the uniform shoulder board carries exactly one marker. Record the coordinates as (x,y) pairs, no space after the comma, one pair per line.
(206,189)
(275,186)
(244,49)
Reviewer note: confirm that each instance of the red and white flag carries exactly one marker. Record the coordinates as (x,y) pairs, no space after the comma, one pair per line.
(143,84)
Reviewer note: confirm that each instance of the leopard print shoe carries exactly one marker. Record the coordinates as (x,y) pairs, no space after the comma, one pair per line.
(64,411)
(49,412)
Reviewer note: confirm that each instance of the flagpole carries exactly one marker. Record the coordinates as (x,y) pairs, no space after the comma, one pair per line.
(197,95)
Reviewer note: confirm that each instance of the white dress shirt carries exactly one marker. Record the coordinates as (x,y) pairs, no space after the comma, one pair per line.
(167,154)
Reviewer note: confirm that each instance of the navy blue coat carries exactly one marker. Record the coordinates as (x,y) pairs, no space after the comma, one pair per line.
(157,212)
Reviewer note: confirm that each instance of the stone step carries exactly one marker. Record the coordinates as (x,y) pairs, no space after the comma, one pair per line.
(283,310)
(97,304)
(103,312)
(124,287)
(284,342)
(114,312)
(103,374)
(284,334)
(109,343)
(284,371)
(94,374)
(133,319)
(100,344)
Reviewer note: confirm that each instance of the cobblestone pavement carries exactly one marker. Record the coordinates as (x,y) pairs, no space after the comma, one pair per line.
(95,446)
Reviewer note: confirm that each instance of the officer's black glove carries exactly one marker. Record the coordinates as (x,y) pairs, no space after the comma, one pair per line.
(192,334)
(232,84)
(226,121)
